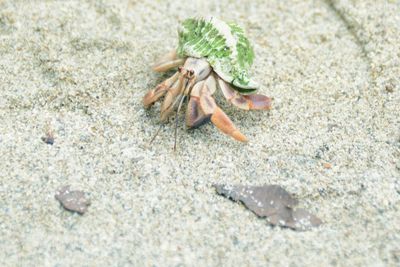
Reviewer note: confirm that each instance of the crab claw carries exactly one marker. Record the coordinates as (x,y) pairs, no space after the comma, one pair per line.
(195,117)
(202,107)
(247,102)
(167,62)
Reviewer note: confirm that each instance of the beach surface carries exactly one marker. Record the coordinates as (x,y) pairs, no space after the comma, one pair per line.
(77,70)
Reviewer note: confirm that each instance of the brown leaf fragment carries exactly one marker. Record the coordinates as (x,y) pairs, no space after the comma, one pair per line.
(263,200)
(303,220)
(48,139)
(272,202)
(72,200)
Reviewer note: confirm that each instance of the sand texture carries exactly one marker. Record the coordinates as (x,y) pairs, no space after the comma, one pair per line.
(78,69)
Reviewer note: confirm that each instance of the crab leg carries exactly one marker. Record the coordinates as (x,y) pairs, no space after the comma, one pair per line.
(171,99)
(247,102)
(153,95)
(202,106)
(167,62)
(225,125)
(174,95)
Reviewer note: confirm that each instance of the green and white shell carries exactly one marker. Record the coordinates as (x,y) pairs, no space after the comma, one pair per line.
(225,47)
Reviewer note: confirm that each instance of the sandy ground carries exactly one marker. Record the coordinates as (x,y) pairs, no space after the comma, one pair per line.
(80,69)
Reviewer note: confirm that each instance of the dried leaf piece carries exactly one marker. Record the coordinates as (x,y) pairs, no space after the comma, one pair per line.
(273,202)
(72,200)
(48,139)
(303,220)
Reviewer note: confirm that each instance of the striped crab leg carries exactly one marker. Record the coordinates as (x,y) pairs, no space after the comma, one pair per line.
(246,102)
(168,61)
(153,95)
(202,107)
(176,94)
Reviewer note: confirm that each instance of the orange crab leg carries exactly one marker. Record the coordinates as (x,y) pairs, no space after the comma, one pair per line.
(153,95)
(203,106)
(170,99)
(225,125)
(246,102)
(167,62)
(176,94)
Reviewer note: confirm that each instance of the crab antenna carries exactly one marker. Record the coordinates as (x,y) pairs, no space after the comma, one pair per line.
(176,119)
(154,137)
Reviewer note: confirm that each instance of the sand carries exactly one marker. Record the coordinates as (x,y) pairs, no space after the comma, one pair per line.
(79,69)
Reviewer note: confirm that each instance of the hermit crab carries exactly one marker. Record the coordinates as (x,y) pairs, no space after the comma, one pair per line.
(211,53)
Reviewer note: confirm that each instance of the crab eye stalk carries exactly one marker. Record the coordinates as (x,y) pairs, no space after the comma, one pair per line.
(191,73)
